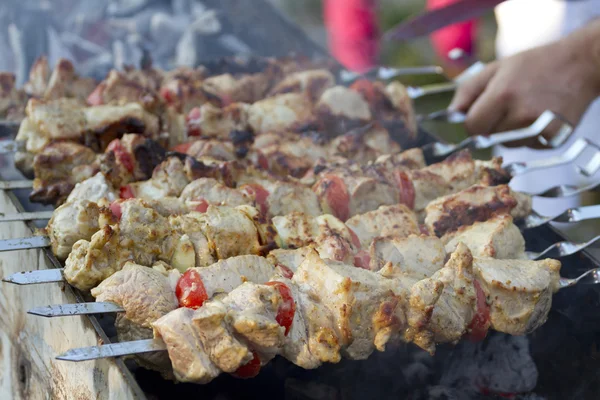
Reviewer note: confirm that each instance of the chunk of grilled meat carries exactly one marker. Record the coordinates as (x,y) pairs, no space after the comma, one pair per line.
(477,203)
(312,83)
(497,238)
(12,100)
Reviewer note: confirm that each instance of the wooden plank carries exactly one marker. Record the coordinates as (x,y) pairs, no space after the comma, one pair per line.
(28,344)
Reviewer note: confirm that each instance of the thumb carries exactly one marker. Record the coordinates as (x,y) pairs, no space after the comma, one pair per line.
(469,91)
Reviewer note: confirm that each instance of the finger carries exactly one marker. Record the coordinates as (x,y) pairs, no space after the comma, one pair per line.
(467,92)
(486,113)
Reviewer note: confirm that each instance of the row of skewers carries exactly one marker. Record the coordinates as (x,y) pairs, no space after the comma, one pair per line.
(239,262)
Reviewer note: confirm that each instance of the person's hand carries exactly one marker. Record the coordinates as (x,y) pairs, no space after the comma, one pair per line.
(563,77)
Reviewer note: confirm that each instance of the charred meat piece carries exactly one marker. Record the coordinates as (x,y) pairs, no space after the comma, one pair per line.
(340,110)
(477,203)
(285,112)
(311,82)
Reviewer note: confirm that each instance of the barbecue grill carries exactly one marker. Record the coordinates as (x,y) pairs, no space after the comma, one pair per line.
(559,360)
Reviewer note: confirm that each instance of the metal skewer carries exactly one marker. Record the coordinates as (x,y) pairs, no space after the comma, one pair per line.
(26,216)
(578,214)
(33,242)
(9,185)
(112,350)
(63,310)
(562,249)
(386,73)
(36,277)
(11,146)
(438,150)
(149,345)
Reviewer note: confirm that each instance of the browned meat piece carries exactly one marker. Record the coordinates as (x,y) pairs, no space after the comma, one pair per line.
(311,82)
(12,100)
(285,112)
(366,314)
(362,146)
(288,153)
(182,89)
(211,148)
(39,74)
(58,167)
(521,292)
(213,192)
(477,203)
(395,221)
(214,122)
(119,88)
(142,307)
(411,159)
(497,238)
(168,179)
(226,89)
(340,109)
(397,94)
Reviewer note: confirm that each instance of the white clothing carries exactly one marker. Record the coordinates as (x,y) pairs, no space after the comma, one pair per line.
(523,24)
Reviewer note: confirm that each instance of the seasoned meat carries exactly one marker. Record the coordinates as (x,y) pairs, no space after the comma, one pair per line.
(213,192)
(521,292)
(477,203)
(455,308)
(402,102)
(342,193)
(142,307)
(364,311)
(217,337)
(192,248)
(230,232)
(282,198)
(285,112)
(186,352)
(12,100)
(411,159)
(414,257)
(297,230)
(226,89)
(290,258)
(71,222)
(340,109)
(362,146)
(39,74)
(168,179)
(214,122)
(63,161)
(497,237)
(181,88)
(397,221)
(142,236)
(311,82)
(93,189)
(217,149)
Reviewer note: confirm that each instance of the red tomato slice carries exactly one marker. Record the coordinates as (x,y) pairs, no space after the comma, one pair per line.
(193,122)
(337,197)
(406,189)
(95,98)
(355,239)
(480,324)
(168,95)
(260,196)
(121,154)
(183,147)
(362,259)
(250,369)
(286,311)
(190,290)
(115,208)
(202,206)
(285,271)
(126,192)
(262,161)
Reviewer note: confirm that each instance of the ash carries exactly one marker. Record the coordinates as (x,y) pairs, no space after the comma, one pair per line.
(103,34)
(499,367)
